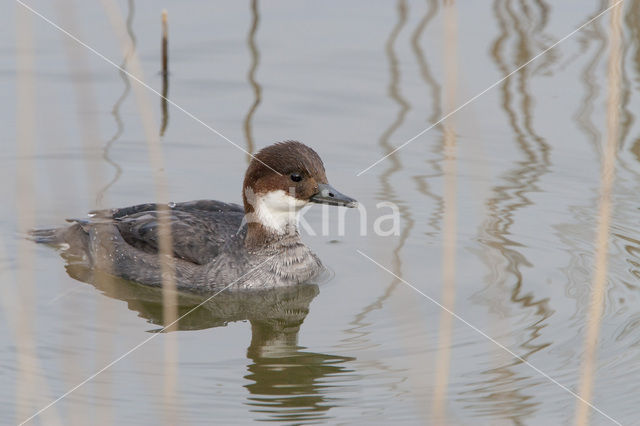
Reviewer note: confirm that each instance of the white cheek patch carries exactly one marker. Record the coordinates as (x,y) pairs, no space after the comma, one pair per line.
(277,210)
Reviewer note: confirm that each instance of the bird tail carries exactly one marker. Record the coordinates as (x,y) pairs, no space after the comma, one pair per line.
(47,236)
(60,235)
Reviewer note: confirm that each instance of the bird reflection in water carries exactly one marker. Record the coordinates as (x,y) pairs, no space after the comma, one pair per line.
(287,382)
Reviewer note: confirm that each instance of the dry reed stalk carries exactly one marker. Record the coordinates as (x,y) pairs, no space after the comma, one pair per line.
(30,379)
(165,73)
(156,158)
(165,43)
(13,312)
(25,207)
(86,100)
(449,231)
(607,177)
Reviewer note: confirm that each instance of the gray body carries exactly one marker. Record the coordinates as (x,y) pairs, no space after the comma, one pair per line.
(208,244)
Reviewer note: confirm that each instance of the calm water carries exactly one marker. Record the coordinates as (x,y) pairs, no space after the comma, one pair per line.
(354,81)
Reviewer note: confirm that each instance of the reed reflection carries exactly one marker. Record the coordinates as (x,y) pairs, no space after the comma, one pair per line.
(580,247)
(521,36)
(632,21)
(592,35)
(630,48)
(605,79)
(251,76)
(628,118)
(115,111)
(422,181)
(579,265)
(359,331)
(387,192)
(577,234)
(633,24)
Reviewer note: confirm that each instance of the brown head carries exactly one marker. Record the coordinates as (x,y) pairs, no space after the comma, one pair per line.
(281,179)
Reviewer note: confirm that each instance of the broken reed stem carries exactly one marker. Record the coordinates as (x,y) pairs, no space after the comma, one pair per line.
(156,159)
(165,44)
(449,231)
(165,73)
(607,176)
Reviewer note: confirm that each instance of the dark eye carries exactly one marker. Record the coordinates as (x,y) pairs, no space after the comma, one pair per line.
(296,177)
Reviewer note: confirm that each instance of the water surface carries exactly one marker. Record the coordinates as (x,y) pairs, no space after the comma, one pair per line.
(354,80)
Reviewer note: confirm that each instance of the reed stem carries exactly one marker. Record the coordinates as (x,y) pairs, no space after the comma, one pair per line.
(449,231)
(607,176)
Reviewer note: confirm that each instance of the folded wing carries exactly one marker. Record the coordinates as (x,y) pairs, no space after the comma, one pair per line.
(199,229)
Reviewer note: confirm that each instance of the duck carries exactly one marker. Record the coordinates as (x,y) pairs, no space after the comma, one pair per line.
(214,245)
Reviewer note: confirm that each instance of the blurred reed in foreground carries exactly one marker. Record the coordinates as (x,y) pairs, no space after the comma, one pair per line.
(31,387)
(156,159)
(84,92)
(607,176)
(450,216)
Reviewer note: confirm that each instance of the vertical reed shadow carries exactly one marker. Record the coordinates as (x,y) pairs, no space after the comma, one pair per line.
(115,111)
(521,36)
(251,77)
